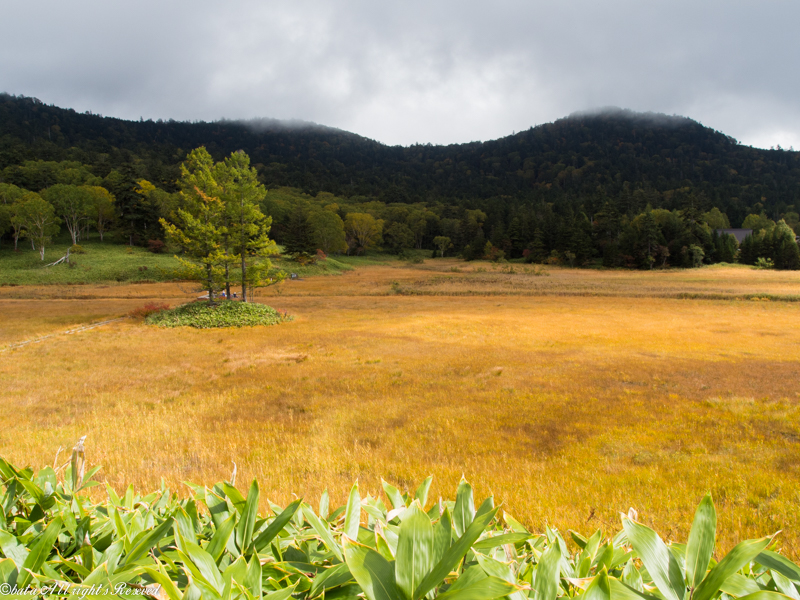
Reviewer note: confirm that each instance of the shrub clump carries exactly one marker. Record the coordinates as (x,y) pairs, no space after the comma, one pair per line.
(148,309)
(225,314)
(156,246)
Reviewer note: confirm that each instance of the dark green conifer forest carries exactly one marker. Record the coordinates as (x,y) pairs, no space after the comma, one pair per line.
(613,188)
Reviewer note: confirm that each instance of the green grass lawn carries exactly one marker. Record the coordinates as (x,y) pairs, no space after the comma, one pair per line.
(106,261)
(101,262)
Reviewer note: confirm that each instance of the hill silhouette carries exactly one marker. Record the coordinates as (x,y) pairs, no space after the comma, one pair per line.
(579,156)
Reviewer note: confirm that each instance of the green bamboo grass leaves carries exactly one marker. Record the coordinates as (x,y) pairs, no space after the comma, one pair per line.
(420,564)
(694,581)
(701,542)
(216,545)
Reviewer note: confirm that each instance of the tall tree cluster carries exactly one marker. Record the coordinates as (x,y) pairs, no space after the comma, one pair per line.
(219,226)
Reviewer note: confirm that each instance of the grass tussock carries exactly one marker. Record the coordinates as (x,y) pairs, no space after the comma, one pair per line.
(203,315)
(568,409)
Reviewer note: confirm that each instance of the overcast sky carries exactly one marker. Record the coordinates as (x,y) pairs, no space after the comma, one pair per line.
(412,71)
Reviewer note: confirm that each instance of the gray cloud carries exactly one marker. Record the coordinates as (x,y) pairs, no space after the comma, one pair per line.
(439,72)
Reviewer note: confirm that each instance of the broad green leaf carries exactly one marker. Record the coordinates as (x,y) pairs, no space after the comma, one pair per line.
(382,545)
(584,564)
(775,562)
(485,506)
(34,490)
(442,536)
(515,525)
(209,592)
(192,592)
(592,544)
(329,578)
(622,591)
(631,577)
(201,564)
(112,556)
(7,470)
(352,516)
(394,495)
(701,542)
(764,596)
(161,577)
(785,586)
(599,588)
(739,585)
(283,594)
(8,571)
(75,567)
(546,584)
(501,570)
(422,491)
(500,540)
(604,557)
(253,580)
(236,570)
(734,560)
(219,542)
(185,525)
(322,531)
(372,571)
(464,511)
(324,504)
(98,576)
(659,561)
(454,554)
(415,547)
(578,539)
(40,550)
(620,556)
(235,496)
(488,588)
(144,544)
(277,525)
(13,549)
(217,506)
(468,577)
(247,520)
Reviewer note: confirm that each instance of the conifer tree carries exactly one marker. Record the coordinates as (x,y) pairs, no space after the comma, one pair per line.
(199,230)
(538,248)
(248,226)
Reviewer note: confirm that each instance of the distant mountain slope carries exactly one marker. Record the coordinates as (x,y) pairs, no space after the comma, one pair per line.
(611,153)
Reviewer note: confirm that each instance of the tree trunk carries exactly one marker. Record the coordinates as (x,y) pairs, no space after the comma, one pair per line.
(210,285)
(41,251)
(244,279)
(227,282)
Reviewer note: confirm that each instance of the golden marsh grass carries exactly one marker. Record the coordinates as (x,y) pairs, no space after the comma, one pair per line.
(570,397)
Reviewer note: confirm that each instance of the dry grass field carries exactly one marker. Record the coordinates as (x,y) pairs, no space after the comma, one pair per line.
(569,395)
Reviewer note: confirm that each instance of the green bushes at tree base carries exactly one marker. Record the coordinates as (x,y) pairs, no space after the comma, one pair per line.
(225,314)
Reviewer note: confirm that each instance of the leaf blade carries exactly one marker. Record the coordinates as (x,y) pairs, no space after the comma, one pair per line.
(702,539)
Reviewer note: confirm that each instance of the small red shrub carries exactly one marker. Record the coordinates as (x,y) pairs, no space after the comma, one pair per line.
(156,246)
(148,309)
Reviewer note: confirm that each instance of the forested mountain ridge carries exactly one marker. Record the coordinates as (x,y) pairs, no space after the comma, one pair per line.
(612,153)
(617,187)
